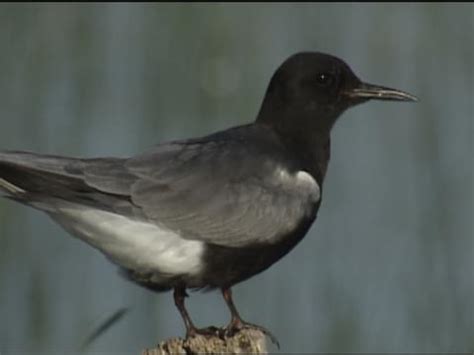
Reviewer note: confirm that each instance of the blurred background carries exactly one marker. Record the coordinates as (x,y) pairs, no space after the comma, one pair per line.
(388,266)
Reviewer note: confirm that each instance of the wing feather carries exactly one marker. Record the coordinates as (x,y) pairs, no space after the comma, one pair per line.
(197,195)
(184,186)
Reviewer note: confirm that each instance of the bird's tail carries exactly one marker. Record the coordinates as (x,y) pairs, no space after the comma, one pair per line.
(23,174)
(8,189)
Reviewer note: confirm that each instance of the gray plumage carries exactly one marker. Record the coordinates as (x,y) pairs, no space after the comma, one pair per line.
(184,186)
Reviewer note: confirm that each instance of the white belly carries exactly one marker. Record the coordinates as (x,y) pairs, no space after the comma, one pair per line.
(133,244)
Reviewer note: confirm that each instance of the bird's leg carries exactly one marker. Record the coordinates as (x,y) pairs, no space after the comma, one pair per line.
(179,295)
(236,322)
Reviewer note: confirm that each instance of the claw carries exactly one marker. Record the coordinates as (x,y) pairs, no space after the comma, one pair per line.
(207,332)
(235,327)
(237,323)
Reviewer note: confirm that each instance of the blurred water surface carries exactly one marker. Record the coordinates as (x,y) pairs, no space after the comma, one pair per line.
(388,267)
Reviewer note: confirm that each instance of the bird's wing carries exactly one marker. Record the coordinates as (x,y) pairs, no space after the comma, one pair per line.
(37,180)
(225,192)
(221,192)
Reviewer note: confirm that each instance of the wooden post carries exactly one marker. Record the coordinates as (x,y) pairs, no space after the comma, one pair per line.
(246,341)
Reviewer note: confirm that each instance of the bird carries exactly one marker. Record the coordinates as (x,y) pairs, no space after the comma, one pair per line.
(210,212)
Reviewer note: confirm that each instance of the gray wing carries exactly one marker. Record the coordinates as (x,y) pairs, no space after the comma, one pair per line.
(190,189)
(186,187)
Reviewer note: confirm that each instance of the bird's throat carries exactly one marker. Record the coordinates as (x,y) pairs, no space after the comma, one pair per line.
(308,145)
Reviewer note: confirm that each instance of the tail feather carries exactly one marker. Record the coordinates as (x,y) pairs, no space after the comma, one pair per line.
(9,189)
(40,162)
(22,173)
(36,180)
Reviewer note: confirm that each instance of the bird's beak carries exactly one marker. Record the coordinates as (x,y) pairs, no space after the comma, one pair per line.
(366,91)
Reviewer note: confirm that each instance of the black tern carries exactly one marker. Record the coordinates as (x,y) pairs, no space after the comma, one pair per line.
(209,212)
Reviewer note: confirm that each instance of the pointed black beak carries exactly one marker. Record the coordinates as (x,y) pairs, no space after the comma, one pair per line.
(366,91)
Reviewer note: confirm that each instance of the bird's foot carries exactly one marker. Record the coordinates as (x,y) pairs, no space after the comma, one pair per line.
(207,332)
(237,325)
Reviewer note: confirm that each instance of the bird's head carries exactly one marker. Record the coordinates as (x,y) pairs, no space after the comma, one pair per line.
(315,88)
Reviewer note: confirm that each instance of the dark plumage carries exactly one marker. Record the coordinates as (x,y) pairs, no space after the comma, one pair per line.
(207,212)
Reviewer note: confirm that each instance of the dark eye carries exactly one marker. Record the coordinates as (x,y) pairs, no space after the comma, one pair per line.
(324,79)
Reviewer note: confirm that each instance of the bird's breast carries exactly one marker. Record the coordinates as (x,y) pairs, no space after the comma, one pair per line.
(300,182)
(302,188)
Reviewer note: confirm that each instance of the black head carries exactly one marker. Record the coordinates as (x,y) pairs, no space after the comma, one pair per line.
(312,89)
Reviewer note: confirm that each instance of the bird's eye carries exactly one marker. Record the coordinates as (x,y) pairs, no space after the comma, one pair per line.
(324,79)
